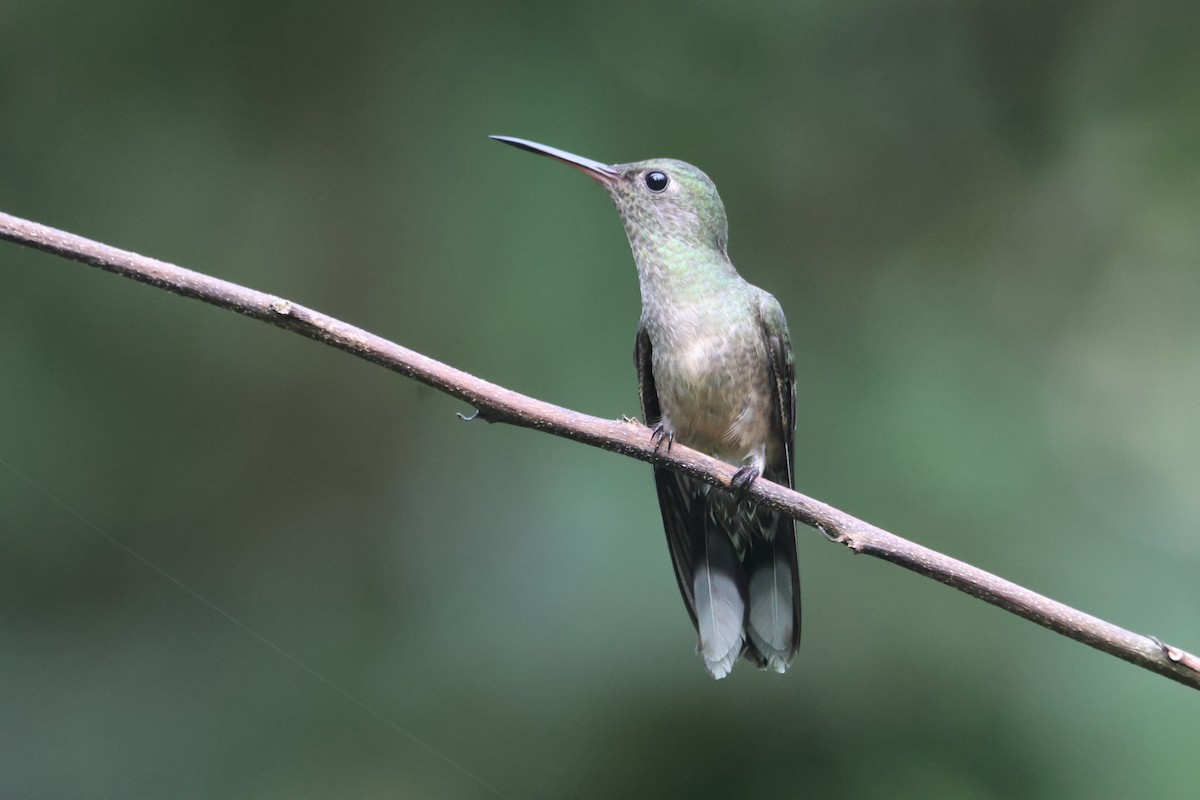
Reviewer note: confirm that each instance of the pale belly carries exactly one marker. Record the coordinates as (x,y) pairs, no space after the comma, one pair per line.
(714,395)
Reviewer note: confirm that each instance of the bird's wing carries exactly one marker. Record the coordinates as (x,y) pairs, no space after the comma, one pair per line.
(774,613)
(783,373)
(685,531)
(644,364)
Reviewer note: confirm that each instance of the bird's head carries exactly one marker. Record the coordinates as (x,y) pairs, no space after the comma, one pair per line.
(660,200)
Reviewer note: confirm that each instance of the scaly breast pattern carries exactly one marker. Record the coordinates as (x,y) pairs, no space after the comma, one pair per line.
(710,369)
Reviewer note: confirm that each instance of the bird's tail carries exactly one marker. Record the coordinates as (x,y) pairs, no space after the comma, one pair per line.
(719,589)
(773,617)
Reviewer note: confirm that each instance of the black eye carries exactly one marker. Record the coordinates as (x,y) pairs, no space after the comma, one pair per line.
(656,181)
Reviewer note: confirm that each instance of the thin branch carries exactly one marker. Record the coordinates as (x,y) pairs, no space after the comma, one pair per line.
(631,438)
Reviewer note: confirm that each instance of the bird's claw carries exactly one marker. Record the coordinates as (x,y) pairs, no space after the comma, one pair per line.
(744,477)
(659,435)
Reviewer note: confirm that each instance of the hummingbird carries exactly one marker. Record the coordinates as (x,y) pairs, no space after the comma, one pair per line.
(716,373)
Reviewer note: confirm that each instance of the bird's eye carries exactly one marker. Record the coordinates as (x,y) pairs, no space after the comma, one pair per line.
(656,181)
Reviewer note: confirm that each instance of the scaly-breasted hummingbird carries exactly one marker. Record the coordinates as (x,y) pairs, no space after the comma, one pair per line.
(715,372)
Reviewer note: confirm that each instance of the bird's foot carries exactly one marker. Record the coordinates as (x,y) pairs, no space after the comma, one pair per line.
(659,435)
(744,477)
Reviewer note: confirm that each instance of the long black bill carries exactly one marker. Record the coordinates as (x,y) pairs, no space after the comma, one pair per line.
(593,169)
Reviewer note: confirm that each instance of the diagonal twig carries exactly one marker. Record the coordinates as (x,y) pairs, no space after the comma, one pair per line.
(627,437)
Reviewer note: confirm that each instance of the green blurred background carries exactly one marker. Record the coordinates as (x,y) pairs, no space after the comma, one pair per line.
(981,219)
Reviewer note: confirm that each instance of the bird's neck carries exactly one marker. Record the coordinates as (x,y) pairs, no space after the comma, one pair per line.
(679,283)
(674,270)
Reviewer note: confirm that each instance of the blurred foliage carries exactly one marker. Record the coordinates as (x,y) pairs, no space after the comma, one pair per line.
(979,216)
